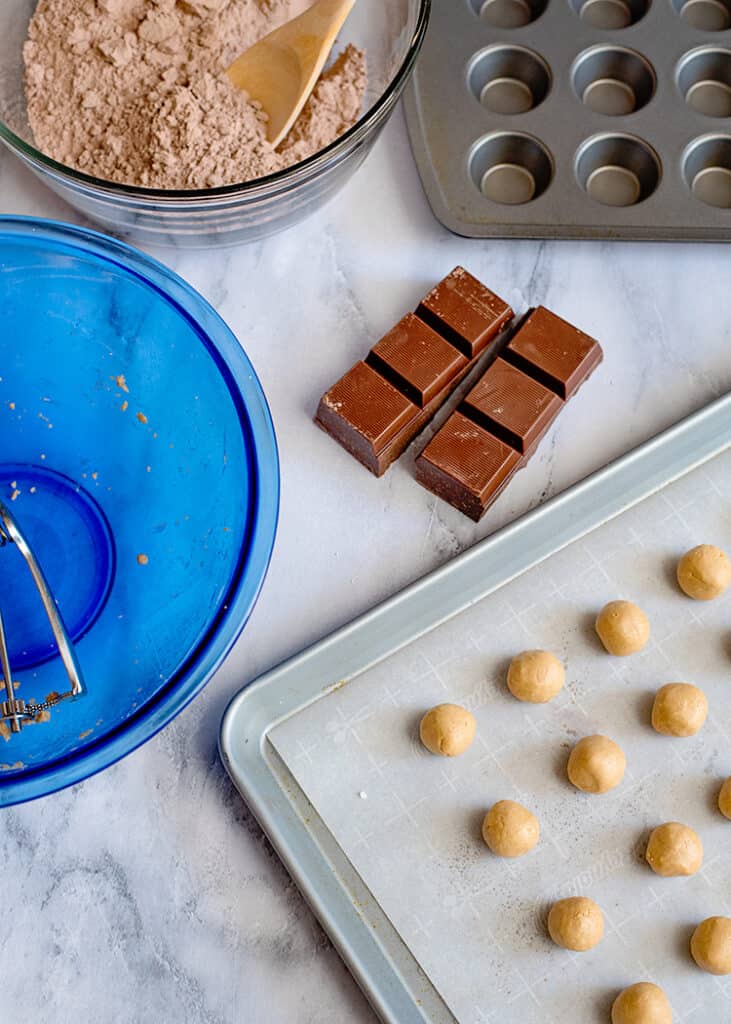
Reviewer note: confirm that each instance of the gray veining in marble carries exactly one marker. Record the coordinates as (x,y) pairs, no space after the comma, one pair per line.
(148,894)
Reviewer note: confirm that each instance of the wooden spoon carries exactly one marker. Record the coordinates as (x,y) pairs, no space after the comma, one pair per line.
(280,71)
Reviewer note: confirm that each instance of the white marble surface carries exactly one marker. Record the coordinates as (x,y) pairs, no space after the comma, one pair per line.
(148,893)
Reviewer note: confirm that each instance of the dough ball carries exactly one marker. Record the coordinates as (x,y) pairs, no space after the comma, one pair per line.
(535,676)
(680,709)
(576,923)
(711,945)
(509,829)
(643,1003)
(447,729)
(623,628)
(596,764)
(704,572)
(674,850)
(724,799)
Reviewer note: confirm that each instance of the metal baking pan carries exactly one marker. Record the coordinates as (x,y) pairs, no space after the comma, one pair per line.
(576,118)
(269,737)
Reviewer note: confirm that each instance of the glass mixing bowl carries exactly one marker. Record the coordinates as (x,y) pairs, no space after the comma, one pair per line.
(139,462)
(391,31)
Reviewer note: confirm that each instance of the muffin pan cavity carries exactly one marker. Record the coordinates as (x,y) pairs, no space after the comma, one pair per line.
(707,170)
(509,79)
(508,13)
(611,15)
(706,15)
(617,170)
(704,79)
(511,168)
(613,80)
(576,118)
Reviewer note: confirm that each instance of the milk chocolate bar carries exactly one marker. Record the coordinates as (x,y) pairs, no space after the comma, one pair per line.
(383,402)
(500,423)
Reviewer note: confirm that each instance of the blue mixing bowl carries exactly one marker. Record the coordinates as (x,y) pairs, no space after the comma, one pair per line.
(139,460)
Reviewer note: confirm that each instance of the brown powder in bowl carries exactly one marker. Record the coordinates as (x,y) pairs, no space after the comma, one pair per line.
(135,91)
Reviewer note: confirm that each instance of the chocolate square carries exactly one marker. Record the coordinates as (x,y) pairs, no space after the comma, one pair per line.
(464,311)
(365,412)
(512,405)
(416,360)
(466,466)
(553,351)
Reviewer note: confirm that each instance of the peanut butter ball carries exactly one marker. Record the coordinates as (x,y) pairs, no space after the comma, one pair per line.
(596,764)
(623,628)
(535,676)
(576,923)
(674,850)
(447,730)
(680,709)
(704,572)
(643,1003)
(724,799)
(711,945)
(509,829)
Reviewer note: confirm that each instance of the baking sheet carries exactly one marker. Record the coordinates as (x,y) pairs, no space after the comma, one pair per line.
(379,958)
(409,823)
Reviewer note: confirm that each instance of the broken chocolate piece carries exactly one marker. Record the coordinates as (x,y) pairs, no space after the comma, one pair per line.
(500,423)
(381,404)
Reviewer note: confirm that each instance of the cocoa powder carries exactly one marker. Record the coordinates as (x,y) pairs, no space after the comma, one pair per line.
(134,91)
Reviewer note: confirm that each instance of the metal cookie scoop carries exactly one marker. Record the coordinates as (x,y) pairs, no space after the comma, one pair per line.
(14,711)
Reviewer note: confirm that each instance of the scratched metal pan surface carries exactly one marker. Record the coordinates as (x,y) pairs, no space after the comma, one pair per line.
(383,839)
(576,118)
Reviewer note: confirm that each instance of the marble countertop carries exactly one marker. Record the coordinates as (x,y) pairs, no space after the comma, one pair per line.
(148,893)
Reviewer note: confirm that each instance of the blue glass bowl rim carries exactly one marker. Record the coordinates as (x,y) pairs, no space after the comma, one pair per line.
(238,603)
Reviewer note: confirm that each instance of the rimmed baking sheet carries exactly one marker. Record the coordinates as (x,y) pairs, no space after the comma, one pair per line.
(384,840)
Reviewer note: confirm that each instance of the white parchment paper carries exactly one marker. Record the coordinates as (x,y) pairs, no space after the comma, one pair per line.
(410,822)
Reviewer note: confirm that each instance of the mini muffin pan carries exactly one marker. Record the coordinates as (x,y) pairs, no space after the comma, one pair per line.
(576,118)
